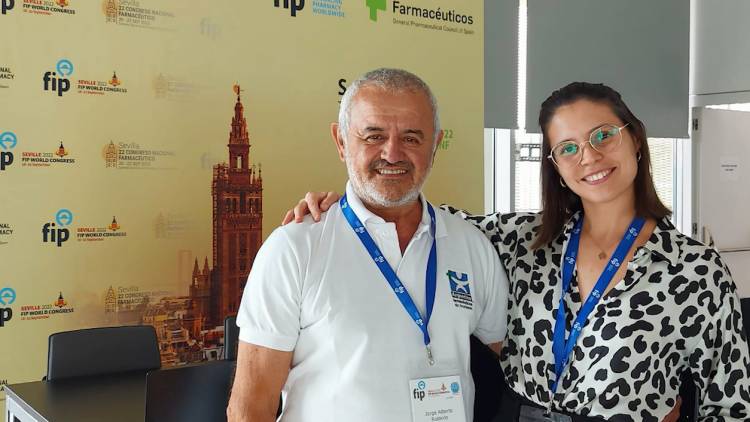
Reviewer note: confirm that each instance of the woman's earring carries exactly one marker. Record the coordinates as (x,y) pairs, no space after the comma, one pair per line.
(563,183)
(638,156)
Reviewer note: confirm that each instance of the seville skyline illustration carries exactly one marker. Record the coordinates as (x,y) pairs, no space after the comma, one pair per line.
(190,328)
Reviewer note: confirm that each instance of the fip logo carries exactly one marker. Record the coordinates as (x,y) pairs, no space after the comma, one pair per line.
(60,84)
(7,5)
(374,6)
(455,388)
(60,234)
(8,141)
(294,6)
(7,297)
(418,392)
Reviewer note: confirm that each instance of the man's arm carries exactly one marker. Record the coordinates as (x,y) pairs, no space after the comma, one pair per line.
(261,373)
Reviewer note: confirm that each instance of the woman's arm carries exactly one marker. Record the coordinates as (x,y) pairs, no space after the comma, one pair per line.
(720,362)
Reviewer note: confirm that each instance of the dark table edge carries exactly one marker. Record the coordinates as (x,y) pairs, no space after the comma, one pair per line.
(16,398)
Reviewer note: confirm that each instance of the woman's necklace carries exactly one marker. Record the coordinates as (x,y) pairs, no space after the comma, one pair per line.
(602,252)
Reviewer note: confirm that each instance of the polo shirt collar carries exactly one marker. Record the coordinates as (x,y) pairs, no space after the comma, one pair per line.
(365,215)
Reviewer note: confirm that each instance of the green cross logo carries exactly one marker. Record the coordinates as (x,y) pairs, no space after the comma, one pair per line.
(374,6)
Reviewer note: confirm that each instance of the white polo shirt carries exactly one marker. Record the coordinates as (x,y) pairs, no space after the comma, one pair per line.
(315,290)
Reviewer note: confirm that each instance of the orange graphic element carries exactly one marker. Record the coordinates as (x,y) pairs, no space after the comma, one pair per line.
(62,3)
(111,153)
(161,86)
(60,302)
(111,9)
(61,151)
(110,301)
(114,81)
(114,226)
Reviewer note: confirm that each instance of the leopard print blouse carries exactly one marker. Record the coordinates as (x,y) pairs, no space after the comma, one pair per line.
(676,308)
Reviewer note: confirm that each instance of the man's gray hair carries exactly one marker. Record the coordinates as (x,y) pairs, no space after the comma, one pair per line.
(388,79)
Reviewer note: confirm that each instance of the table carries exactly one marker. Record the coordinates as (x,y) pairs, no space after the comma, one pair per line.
(110,398)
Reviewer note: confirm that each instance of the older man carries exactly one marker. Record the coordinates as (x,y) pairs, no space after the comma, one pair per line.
(366,316)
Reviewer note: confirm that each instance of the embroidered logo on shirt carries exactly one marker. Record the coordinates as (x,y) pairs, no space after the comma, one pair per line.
(460,290)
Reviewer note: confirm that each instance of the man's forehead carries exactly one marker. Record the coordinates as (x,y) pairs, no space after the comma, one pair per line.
(371,108)
(374,95)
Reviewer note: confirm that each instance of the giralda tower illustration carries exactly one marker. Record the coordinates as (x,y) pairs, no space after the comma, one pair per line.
(237,191)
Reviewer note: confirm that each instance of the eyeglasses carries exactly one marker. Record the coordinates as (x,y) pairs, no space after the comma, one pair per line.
(604,139)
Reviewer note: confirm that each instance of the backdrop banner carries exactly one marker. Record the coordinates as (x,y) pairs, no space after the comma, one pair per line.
(147,147)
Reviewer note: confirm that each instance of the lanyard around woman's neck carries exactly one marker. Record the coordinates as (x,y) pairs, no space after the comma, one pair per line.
(560,347)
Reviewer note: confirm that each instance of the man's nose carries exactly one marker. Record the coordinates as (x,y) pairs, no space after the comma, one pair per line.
(392,150)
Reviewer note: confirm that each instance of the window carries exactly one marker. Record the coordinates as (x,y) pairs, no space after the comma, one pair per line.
(663,168)
(733,107)
(527,163)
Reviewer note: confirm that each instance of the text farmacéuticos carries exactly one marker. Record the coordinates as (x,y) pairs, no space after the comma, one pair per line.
(436,14)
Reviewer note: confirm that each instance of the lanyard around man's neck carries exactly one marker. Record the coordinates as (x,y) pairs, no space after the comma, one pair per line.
(398,288)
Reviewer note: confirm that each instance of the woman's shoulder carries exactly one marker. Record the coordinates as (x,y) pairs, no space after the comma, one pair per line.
(689,257)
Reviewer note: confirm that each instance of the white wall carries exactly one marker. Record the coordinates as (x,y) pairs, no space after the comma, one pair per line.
(722,176)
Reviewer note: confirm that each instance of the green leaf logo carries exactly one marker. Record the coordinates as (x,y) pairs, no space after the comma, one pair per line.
(374,6)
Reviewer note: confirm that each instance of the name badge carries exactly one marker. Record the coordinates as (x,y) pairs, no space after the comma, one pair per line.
(439,399)
(533,414)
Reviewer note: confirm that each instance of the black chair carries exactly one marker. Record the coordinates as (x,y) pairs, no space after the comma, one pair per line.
(197,393)
(99,351)
(231,337)
(488,381)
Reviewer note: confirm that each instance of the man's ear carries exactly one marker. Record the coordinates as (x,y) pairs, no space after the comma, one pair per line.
(437,144)
(338,140)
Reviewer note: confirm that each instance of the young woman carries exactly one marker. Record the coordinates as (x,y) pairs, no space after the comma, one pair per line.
(609,303)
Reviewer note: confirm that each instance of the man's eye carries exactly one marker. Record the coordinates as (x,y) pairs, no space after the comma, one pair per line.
(410,140)
(373,138)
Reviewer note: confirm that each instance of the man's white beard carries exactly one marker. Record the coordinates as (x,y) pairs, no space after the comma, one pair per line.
(368,192)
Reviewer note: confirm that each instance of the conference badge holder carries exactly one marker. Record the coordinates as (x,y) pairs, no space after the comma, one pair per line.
(437,399)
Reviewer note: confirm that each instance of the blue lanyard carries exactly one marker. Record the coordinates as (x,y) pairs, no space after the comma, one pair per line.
(561,348)
(401,293)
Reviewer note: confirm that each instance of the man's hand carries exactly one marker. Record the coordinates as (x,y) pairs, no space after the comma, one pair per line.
(314,203)
(496,347)
(261,373)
